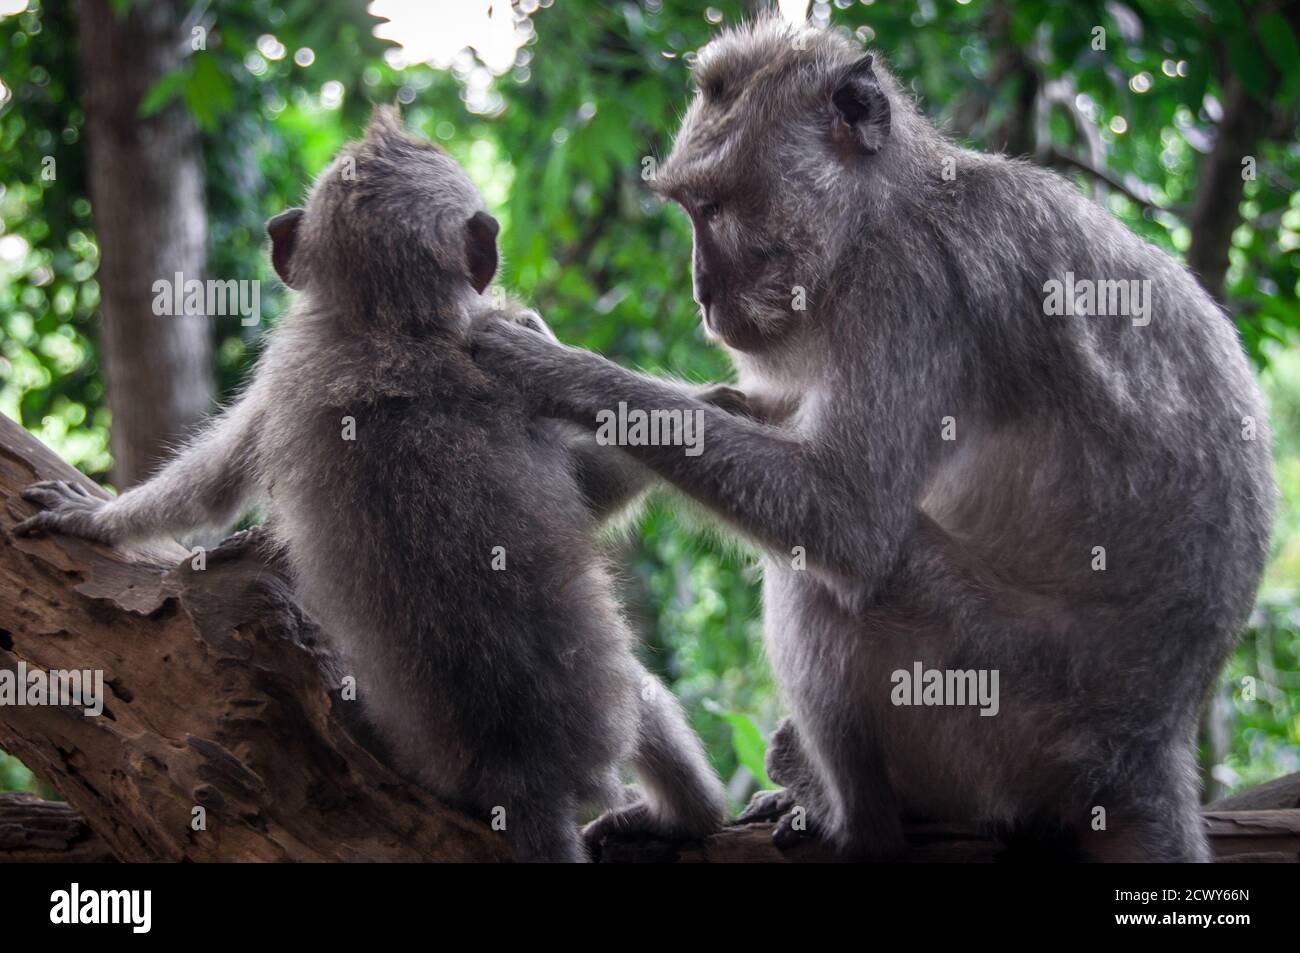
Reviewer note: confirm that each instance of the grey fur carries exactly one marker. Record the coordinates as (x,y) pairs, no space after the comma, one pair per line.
(925,300)
(516,689)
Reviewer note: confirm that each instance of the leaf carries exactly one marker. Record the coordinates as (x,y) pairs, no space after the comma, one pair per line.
(208,92)
(747,742)
(1280,43)
(1248,64)
(163,92)
(1228,12)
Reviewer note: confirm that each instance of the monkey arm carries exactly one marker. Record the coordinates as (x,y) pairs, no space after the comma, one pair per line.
(848,498)
(610,481)
(205,486)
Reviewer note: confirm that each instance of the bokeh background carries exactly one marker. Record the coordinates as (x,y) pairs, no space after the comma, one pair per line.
(143,137)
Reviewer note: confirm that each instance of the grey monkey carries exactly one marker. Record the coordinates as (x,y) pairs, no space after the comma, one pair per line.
(942,471)
(442,537)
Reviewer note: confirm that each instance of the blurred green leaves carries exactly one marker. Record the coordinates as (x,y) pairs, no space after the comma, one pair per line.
(747,742)
(205,88)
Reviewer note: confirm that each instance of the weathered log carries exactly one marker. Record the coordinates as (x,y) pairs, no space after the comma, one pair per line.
(224,735)
(36,831)
(1235,836)
(1281,793)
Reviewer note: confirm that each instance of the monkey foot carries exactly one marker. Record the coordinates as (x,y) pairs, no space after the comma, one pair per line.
(767,806)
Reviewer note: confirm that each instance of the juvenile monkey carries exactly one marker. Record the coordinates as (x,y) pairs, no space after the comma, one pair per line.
(443,538)
(953,470)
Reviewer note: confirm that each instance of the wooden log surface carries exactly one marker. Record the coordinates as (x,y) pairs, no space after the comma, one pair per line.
(37,831)
(44,831)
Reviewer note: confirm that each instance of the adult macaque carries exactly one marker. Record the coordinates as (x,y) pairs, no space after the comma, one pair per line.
(1078,502)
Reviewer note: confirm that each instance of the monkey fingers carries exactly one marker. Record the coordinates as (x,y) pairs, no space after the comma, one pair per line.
(731,399)
(781,807)
(767,806)
(67,509)
(509,349)
(792,828)
(635,819)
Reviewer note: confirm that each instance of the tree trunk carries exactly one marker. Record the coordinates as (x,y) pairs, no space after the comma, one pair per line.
(224,736)
(1248,120)
(145,178)
(1216,212)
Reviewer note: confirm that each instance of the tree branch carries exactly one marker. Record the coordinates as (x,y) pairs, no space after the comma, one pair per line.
(36,831)
(1269,836)
(1129,186)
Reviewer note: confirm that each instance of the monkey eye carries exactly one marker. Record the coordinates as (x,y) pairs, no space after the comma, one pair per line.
(708,211)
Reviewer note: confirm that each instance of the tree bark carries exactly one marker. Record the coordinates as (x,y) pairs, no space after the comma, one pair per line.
(1216,212)
(221,697)
(145,177)
(1268,836)
(1279,794)
(42,832)
(1248,120)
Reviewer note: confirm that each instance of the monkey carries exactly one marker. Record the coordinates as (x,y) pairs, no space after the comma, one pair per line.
(443,539)
(942,469)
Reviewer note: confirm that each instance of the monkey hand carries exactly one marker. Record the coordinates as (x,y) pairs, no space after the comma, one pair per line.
(67,509)
(766,806)
(724,397)
(530,319)
(780,806)
(516,353)
(639,819)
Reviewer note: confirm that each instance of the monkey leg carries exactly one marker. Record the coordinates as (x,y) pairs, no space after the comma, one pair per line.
(839,759)
(1155,818)
(788,767)
(541,829)
(836,786)
(611,481)
(797,803)
(682,797)
(859,813)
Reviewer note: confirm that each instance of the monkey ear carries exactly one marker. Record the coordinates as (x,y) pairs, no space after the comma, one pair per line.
(481,249)
(861,109)
(283,229)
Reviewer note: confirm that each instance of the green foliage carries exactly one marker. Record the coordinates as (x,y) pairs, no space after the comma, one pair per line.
(48,376)
(559,146)
(13,776)
(1262,685)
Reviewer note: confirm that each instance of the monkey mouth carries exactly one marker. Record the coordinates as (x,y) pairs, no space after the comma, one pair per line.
(737,329)
(718,329)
